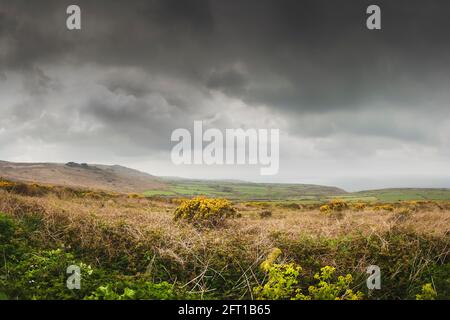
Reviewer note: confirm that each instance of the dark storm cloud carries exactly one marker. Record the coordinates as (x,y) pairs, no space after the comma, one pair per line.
(328,60)
(141,33)
(319,51)
(27,35)
(229,81)
(138,69)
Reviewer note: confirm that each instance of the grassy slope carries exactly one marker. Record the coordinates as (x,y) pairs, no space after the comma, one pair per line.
(92,176)
(245,190)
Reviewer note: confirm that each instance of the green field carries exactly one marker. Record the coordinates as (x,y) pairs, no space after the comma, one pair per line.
(246,191)
(389,195)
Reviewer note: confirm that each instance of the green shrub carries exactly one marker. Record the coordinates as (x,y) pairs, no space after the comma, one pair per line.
(12,244)
(427,293)
(7,229)
(140,290)
(41,275)
(330,287)
(284,282)
(439,275)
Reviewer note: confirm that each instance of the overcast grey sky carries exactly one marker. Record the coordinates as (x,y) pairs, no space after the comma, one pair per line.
(355,108)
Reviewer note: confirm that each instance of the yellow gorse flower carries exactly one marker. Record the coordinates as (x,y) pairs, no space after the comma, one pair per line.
(201,210)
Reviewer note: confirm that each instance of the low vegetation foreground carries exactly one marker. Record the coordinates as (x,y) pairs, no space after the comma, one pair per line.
(129,246)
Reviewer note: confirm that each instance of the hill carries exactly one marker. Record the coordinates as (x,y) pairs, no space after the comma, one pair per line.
(111,178)
(126,180)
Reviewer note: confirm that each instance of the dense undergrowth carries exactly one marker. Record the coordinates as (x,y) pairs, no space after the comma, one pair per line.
(34,272)
(39,239)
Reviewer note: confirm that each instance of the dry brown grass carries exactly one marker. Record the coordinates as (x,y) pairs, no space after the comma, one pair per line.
(139,217)
(143,231)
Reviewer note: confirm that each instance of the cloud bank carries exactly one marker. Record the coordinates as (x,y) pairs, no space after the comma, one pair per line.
(356,108)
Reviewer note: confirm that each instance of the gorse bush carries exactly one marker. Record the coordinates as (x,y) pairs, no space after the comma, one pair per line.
(40,190)
(335,206)
(33,189)
(359,206)
(325,208)
(427,293)
(284,282)
(338,205)
(204,211)
(7,185)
